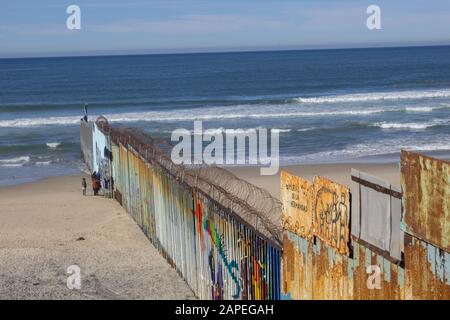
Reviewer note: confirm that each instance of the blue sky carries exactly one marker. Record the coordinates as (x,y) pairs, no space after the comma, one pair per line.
(38,28)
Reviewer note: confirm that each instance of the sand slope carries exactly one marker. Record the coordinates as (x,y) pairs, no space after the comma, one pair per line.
(340,173)
(39,227)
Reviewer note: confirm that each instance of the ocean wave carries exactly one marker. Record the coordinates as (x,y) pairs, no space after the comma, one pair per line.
(376,96)
(419,109)
(43,163)
(18,160)
(410,125)
(306,129)
(213,131)
(53,145)
(11,165)
(180,116)
(35,122)
(281,130)
(377,148)
(427,109)
(239,111)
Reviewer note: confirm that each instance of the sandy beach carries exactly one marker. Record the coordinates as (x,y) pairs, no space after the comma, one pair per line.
(47,226)
(337,172)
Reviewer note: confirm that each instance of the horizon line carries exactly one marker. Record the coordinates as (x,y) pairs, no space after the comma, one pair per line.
(217,50)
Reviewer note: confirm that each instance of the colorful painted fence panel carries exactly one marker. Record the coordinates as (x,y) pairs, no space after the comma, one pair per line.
(102,157)
(213,249)
(332,213)
(426,201)
(296,197)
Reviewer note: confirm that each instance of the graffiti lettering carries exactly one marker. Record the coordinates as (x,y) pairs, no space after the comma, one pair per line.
(332,213)
(296,197)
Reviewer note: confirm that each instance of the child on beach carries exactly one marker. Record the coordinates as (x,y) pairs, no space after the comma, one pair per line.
(84,186)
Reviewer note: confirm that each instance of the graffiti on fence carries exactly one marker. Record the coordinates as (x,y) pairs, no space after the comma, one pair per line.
(315,270)
(230,266)
(218,253)
(332,213)
(296,197)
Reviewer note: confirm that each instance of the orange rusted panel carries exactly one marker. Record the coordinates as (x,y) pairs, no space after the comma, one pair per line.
(296,197)
(425,275)
(426,200)
(318,271)
(332,213)
(296,267)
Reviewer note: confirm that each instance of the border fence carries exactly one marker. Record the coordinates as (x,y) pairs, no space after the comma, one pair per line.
(229,239)
(223,244)
(374,247)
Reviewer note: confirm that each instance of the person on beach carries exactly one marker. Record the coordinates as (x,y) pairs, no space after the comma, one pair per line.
(84,186)
(94,183)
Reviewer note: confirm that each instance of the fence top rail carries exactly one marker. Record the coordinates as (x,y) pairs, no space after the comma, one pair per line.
(377,187)
(251,204)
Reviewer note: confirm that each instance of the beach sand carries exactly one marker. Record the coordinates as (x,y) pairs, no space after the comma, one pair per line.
(340,173)
(42,225)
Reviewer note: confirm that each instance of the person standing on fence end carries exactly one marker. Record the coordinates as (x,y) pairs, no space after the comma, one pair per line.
(85,109)
(83,186)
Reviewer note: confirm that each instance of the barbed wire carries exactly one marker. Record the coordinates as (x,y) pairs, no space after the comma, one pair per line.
(256,206)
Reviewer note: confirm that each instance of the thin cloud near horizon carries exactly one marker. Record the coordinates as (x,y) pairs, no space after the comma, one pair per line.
(200,24)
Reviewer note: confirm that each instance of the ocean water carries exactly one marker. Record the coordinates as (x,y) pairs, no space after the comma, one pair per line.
(330,105)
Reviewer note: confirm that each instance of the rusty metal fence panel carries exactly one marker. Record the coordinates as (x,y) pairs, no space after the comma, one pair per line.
(218,253)
(426,201)
(296,197)
(315,269)
(332,213)
(427,270)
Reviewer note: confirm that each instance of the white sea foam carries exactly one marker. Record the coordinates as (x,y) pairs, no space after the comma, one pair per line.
(11,165)
(53,145)
(43,163)
(380,147)
(419,109)
(183,116)
(411,125)
(281,130)
(258,111)
(376,96)
(18,160)
(213,131)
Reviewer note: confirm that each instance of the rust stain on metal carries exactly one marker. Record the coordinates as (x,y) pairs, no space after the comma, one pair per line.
(317,271)
(332,213)
(324,267)
(424,271)
(426,201)
(296,267)
(296,197)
